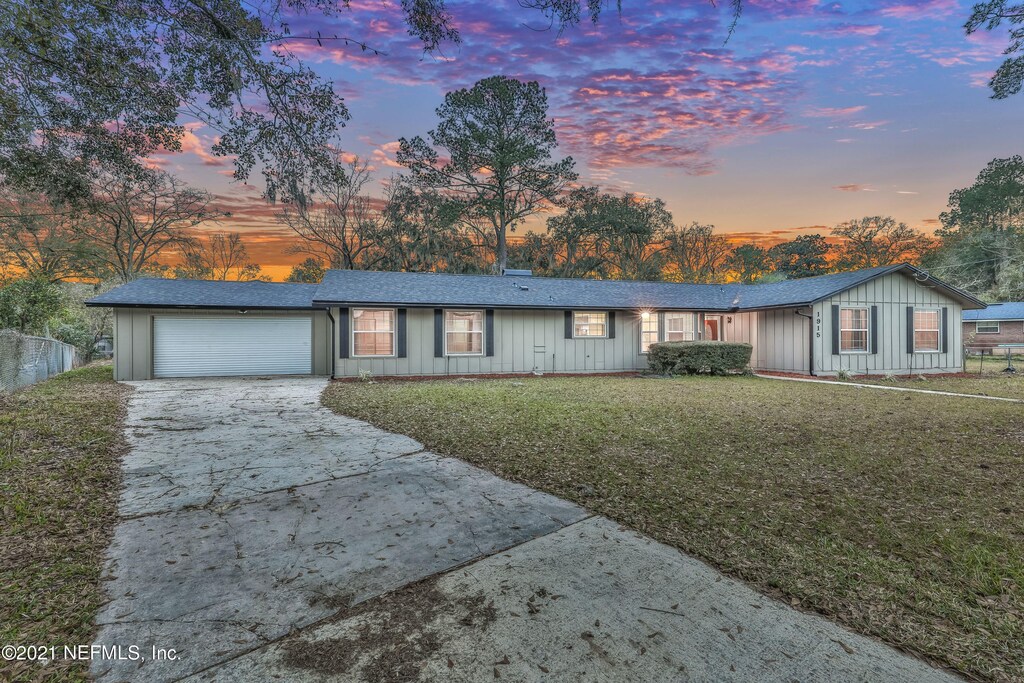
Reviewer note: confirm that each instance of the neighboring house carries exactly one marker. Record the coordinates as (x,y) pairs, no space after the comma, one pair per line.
(104,347)
(995,325)
(889,319)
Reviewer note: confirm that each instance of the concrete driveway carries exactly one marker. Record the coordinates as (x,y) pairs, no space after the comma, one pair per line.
(266,538)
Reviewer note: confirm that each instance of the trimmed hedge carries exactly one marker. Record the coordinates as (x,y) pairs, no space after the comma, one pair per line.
(698,357)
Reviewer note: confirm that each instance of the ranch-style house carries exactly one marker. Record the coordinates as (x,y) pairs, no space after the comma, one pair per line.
(890,319)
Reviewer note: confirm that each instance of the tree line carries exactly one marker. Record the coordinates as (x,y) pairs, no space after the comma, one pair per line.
(487,168)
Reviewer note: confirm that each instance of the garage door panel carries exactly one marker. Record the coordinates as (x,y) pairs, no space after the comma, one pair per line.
(231,346)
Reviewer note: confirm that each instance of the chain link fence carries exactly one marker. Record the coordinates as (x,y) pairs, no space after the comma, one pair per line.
(25,360)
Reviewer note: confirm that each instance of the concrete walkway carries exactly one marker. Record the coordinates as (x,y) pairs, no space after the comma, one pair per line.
(265,538)
(885,388)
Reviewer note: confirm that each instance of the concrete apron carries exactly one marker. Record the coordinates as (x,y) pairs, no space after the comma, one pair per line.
(266,538)
(250,511)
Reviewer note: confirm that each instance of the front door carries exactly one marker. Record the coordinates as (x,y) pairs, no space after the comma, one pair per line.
(713,328)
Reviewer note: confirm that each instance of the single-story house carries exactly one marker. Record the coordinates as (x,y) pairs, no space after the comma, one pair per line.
(894,319)
(989,327)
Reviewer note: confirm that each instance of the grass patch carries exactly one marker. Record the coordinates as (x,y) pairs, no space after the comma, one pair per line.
(991,364)
(899,515)
(1006,386)
(60,444)
(985,379)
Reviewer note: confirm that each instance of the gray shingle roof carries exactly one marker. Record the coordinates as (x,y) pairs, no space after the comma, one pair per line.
(438,289)
(159,292)
(348,287)
(1011,310)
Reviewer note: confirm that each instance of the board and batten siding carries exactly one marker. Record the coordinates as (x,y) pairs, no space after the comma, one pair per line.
(780,337)
(133,336)
(892,294)
(524,341)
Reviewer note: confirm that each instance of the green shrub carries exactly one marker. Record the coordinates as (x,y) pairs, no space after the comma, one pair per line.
(698,357)
(77,334)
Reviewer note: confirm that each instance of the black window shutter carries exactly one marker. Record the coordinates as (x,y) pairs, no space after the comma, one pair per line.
(402,333)
(343,333)
(489,332)
(874,329)
(611,324)
(910,329)
(568,324)
(835,330)
(945,330)
(438,333)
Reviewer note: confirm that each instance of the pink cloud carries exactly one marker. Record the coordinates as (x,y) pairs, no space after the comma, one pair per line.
(778,63)
(849,30)
(868,125)
(926,9)
(190,144)
(642,114)
(980,79)
(835,112)
(384,155)
(854,187)
(630,117)
(657,86)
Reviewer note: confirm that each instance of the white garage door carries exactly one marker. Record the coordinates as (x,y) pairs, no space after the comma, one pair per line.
(218,347)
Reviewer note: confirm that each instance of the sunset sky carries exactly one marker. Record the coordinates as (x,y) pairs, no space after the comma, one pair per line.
(811,114)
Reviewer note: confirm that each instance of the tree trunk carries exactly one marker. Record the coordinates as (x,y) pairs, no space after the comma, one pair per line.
(502,247)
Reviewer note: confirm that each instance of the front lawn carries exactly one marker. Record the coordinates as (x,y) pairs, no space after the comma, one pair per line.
(900,515)
(60,443)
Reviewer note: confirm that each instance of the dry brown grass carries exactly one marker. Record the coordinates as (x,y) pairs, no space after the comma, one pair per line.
(900,515)
(60,444)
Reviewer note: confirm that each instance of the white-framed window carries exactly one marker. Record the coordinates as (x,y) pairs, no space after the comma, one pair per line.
(853,330)
(373,332)
(589,324)
(463,333)
(648,330)
(988,327)
(926,330)
(679,327)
